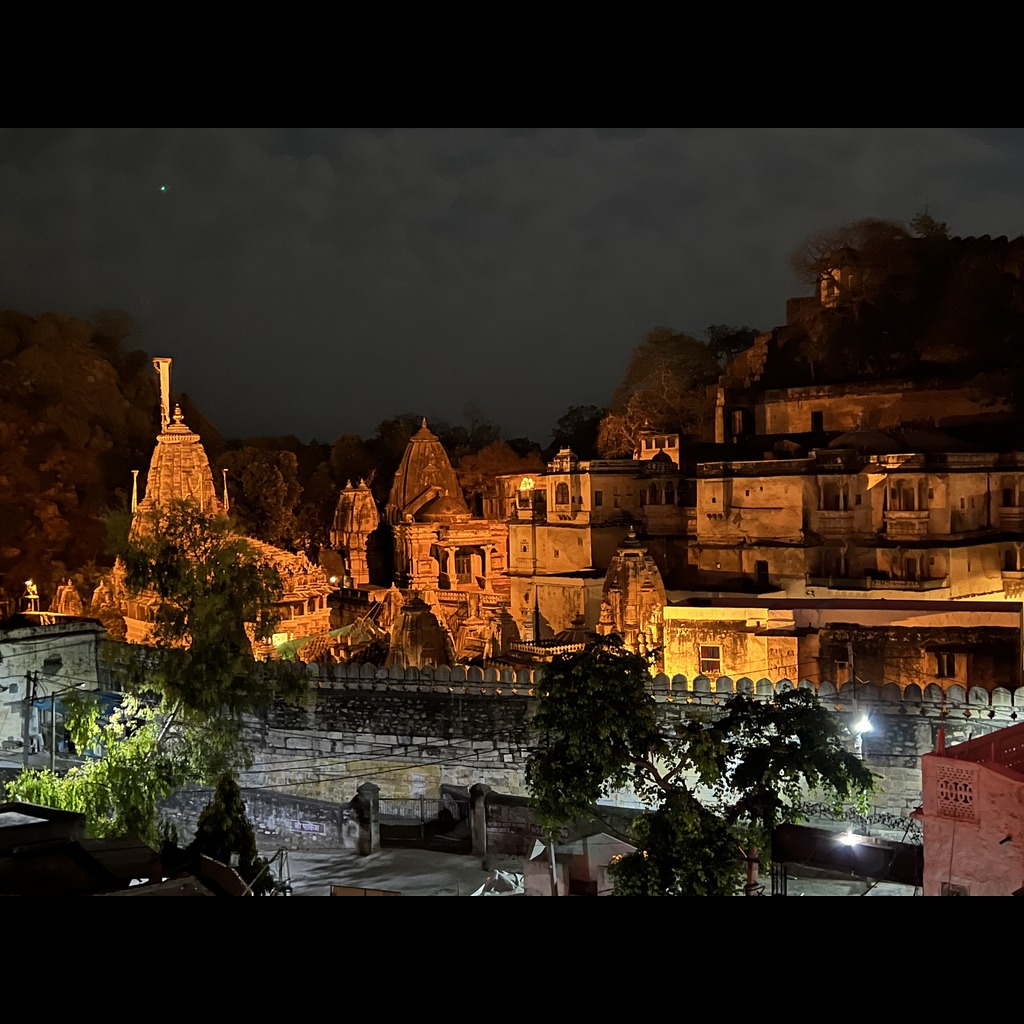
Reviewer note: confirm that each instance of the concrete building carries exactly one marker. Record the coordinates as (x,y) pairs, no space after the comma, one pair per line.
(43,656)
(972,812)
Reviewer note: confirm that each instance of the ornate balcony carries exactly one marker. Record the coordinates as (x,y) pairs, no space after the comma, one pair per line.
(1013,583)
(906,525)
(1011,518)
(832,523)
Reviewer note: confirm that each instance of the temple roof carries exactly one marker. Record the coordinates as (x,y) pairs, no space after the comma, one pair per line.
(356,512)
(179,470)
(423,475)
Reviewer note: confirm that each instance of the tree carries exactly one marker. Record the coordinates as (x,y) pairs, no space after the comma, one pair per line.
(225,833)
(181,720)
(716,783)
(664,389)
(924,225)
(264,490)
(874,247)
(577,428)
(726,342)
(476,471)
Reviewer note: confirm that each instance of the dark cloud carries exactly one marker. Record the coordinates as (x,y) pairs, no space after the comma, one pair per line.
(316,281)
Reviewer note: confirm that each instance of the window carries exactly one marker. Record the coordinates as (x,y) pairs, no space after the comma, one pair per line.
(562,494)
(710,660)
(615,497)
(598,499)
(761,573)
(945,664)
(817,421)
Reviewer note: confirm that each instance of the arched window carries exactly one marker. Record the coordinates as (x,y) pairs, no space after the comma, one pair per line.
(652,495)
(670,494)
(562,494)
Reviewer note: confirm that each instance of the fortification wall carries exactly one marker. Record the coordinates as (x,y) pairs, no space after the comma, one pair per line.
(412,730)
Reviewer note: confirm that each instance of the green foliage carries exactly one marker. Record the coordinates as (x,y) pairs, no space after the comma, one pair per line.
(118,791)
(716,783)
(225,833)
(214,588)
(181,722)
(596,718)
(265,490)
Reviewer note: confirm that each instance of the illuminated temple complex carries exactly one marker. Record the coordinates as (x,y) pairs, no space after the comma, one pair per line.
(180,470)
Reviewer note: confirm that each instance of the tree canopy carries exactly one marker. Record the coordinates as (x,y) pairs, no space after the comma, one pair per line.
(181,719)
(716,783)
(664,389)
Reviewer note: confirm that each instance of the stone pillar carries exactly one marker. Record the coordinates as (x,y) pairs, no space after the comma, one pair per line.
(366,804)
(478,818)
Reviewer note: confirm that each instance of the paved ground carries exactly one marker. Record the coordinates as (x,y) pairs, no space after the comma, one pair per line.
(419,873)
(411,872)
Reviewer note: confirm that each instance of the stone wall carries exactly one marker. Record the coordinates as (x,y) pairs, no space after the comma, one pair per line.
(411,731)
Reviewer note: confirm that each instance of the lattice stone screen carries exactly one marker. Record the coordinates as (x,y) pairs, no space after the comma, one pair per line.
(956,793)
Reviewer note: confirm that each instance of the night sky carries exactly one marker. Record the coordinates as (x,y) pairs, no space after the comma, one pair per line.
(315,281)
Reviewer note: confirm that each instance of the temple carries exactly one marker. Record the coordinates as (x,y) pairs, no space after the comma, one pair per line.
(449,594)
(180,470)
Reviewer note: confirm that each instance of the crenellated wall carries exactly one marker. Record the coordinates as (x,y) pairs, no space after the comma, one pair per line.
(412,730)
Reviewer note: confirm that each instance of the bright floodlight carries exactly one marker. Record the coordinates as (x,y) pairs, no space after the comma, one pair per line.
(863,725)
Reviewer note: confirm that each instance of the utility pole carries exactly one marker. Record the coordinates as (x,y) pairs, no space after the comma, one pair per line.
(31,682)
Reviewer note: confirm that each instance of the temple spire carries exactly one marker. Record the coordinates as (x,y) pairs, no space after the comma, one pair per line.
(163,368)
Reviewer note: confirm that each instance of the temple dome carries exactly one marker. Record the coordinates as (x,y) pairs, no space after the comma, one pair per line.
(423,475)
(179,470)
(444,509)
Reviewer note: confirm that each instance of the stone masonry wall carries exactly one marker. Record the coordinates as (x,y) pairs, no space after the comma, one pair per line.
(411,730)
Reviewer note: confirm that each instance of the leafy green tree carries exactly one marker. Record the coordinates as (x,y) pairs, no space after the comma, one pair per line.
(118,790)
(225,833)
(717,783)
(181,721)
